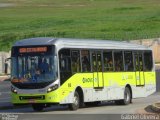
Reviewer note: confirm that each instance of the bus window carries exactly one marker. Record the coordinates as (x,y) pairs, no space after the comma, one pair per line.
(94,62)
(75,56)
(65,62)
(148,63)
(140,62)
(85,58)
(65,65)
(138,58)
(99,63)
(128,61)
(108,61)
(118,61)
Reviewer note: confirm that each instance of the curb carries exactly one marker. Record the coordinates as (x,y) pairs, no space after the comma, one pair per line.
(156,107)
(3,78)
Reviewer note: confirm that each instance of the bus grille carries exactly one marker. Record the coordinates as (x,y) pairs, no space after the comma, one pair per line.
(40,97)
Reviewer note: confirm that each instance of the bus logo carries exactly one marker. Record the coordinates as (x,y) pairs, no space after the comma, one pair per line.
(87,80)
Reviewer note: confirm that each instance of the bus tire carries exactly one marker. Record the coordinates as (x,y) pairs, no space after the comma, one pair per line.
(37,107)
(76,102)
(127,96)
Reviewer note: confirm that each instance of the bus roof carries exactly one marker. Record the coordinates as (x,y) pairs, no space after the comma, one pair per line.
(80,43)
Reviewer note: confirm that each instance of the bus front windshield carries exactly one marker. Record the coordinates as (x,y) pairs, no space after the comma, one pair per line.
(34,69)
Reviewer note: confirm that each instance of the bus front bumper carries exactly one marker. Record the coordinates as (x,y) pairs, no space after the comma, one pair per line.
(34,98)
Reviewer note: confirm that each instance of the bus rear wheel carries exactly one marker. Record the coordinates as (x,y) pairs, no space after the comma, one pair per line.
(76,102)
(37,107)
(127,98)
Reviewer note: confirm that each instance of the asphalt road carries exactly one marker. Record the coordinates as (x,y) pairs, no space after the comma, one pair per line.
(104,111)
(104,108)
(5,92)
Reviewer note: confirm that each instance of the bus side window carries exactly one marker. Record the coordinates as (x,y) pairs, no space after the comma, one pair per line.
(94,62)
(148,63)
(140,62)
(118,61)
(65,65)
(128,61)
(75,56)
(108,61)
(85,58)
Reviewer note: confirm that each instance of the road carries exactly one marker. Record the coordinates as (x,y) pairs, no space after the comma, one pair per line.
(104,108)
(4,92)
(101,112)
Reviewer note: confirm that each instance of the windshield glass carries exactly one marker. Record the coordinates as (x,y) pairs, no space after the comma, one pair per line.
(34,68)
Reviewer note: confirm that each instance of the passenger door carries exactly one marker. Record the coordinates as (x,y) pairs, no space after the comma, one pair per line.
(98,82)
(139,74)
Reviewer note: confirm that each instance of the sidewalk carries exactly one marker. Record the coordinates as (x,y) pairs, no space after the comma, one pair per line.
(156,107)
(147,110)
(4,77)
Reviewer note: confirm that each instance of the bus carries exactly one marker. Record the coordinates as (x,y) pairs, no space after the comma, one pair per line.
(77,72)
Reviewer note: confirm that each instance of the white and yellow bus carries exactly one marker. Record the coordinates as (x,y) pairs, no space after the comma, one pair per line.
(48,71)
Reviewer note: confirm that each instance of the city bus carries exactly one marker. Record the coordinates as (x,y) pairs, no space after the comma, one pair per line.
(77,72)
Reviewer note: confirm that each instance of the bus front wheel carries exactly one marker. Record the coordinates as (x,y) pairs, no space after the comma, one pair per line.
(76,102)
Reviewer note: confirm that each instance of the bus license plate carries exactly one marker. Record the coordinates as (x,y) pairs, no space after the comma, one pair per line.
(31,101)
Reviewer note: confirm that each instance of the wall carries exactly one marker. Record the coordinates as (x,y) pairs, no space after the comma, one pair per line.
(154,44)
(3,57)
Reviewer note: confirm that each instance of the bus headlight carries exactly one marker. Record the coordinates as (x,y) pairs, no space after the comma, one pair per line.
(13,90)
(52,88)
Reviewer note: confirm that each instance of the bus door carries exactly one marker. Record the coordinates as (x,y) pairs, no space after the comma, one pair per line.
(98,82)
(139,74)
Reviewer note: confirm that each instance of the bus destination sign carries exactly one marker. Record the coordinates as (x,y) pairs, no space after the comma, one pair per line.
(33,49)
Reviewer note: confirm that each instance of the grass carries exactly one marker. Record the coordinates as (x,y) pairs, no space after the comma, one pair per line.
(98,19)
